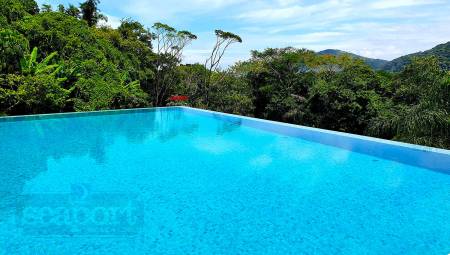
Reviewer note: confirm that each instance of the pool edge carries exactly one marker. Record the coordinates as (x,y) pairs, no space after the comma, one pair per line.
(411,154)
(76,114)
(416,155)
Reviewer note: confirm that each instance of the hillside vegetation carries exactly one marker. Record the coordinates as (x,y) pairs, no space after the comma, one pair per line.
(58,59)
(377,64)
(441,52)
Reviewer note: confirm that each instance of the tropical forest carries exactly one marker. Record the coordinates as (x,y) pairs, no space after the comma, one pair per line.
(56,59)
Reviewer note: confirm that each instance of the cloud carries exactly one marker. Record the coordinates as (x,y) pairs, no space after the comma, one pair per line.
(316,37)
(382,29)
(170,9)
(113,21)
(272,13)
(286,11)
(374,28)
(386,4)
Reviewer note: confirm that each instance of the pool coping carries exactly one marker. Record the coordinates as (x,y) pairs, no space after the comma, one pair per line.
(43,116)
(374,139)
(411,154)
(416,155)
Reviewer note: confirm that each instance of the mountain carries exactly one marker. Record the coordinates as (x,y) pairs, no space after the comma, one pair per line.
(377,64)
(442,52)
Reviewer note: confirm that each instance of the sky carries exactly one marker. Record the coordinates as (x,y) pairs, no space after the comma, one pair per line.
(384,29)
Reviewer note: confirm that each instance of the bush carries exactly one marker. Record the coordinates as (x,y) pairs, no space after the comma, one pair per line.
(32,94)
(13,10)
(13,47)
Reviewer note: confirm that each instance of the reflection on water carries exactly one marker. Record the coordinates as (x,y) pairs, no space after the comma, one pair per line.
(202,185)
(226,124)
(26,146)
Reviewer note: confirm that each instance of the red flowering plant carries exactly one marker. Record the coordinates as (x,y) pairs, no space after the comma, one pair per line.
(178,100)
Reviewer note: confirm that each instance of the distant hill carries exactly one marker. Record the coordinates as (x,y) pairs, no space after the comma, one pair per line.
(442,52)
(376,64)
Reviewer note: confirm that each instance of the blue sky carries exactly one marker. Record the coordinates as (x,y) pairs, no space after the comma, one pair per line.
(379,29)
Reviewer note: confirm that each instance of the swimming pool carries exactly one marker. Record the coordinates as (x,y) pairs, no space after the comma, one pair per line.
(186,181)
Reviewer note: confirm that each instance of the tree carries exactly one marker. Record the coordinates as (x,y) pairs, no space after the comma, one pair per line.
(98,72)
(73,11)
(13,46)
(33,94)
(169,45)
(61,8)
(56,31)
(46,8)
(281,80)
(135,42)
(14,10)
(30,6)
(419,111)
(231,92)
(344,99)
(90,12)
(133,30)
(223,41)
(30,65)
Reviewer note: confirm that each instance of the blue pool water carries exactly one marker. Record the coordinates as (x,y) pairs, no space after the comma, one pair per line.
(171,181)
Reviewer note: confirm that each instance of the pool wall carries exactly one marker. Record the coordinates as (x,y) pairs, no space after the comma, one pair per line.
(81,114)
(415,155)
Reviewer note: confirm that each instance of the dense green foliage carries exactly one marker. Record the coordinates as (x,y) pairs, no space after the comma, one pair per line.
(13,10)
(72,67)
(441,52)
(62,60)
(377,64)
